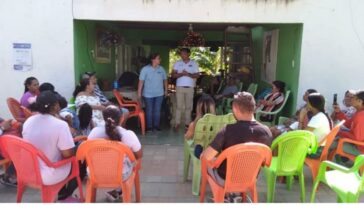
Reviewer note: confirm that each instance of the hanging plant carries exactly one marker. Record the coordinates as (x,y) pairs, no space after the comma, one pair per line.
(193,39)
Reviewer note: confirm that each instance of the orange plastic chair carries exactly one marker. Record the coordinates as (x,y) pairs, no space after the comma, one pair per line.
(16,110)
(26,161)
(340,148)
(104,159)
(26,111)
(137,112)
(314,164)
(243,164)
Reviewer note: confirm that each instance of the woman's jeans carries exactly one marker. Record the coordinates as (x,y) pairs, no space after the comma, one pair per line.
(153,111)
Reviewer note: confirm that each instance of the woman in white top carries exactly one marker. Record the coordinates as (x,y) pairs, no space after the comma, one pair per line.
(51,136)
(113,131)
(320,123)
(84,93)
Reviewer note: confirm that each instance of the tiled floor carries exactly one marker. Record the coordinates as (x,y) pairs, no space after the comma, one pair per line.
(161,176)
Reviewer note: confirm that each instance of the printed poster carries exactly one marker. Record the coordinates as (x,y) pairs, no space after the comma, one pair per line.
(22,56)
(270,49)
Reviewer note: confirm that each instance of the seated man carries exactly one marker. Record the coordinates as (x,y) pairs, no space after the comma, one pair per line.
(103,99)
(229,90)
(355,125)
(246,129)
(348,109)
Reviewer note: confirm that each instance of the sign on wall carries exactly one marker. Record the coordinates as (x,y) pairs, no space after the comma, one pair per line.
(22,56)
(270,49)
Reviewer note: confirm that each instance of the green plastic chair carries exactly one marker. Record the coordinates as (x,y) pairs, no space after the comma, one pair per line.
(221,86)
(252,89)
(275,113)
(292,150)
(347,183)
(205,131)
(240,86)
(227,104)
(71,103)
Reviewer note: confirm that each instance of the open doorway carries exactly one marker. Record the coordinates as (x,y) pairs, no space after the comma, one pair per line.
(137,40)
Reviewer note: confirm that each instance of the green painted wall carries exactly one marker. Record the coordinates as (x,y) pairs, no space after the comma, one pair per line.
(289,49)
(84,47)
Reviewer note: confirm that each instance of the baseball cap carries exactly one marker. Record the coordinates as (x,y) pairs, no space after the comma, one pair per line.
(88,74)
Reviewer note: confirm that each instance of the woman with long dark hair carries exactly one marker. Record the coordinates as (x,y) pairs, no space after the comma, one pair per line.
(84,93)
(31,91)
(205,104)
(153,83)
(113,131)
(320,123)
(52,137)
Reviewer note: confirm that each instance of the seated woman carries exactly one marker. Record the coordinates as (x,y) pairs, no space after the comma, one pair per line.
(84,93)
(13,128)
(272,101)
(204,105)
(292,123)
(51,136)
(31,91)
(348,110)
(320,123)
(355,125)
(85,118)
(112,131)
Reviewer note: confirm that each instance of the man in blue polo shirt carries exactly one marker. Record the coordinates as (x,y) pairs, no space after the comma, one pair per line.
(153,83)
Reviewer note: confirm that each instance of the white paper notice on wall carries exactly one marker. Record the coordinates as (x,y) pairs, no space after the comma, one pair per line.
(22,56)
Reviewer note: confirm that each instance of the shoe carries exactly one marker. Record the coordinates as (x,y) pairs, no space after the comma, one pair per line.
(149,130)
(157,129)
(113,196)
(71,199)
(186,127)
(8,181)
(176,128)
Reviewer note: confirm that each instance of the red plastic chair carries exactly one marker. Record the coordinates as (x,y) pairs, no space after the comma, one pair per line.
(136,112)
(16,110)
(243,164)
(26,161)
(104,159)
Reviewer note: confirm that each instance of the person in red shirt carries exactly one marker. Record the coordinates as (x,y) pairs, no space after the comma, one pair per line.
(355,124)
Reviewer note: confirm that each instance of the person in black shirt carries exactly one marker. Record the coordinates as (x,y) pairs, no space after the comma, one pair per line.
(246,129)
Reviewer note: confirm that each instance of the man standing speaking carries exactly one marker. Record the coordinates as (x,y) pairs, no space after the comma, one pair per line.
(186,71)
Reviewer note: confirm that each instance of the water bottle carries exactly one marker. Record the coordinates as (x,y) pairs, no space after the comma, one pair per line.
(116,84)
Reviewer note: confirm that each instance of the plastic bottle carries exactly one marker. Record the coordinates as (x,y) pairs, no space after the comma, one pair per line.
(116,84)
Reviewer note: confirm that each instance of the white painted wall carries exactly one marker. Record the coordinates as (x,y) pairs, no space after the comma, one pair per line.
(48,26)
(333,34)
(332,48)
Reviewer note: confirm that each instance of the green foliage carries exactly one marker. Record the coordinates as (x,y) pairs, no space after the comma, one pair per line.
(208,61)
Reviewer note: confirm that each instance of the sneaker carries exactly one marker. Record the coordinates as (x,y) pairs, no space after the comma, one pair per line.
(237,199)
(157,129)
(149,130)
(113,196)
(8,181)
